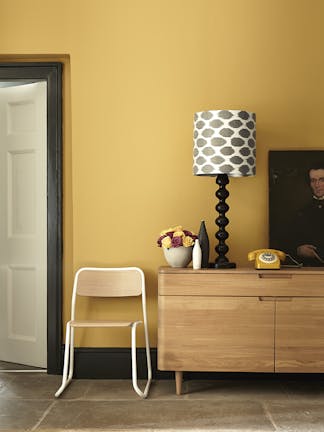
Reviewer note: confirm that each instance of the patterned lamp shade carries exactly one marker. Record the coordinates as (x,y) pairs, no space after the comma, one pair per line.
(224,143)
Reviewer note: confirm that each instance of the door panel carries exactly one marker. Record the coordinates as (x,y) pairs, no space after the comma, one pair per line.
(21,291)
(21,193)
(23,224)
(300,335)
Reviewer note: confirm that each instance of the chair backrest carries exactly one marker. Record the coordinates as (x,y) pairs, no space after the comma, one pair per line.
(109,282)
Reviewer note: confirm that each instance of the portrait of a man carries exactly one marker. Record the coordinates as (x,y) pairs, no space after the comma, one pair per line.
(296,205)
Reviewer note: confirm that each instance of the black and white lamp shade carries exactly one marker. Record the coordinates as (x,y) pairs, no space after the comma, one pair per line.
(224,143)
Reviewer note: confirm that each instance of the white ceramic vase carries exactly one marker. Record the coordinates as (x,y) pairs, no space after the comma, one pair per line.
(196,256)
(179,256)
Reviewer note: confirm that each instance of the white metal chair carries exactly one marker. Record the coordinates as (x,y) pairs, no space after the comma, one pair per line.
(107,282)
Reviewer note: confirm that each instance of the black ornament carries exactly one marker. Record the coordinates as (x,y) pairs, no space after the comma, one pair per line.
(204,244)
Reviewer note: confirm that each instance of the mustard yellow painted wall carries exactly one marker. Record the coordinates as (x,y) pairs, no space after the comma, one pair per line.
(136,71)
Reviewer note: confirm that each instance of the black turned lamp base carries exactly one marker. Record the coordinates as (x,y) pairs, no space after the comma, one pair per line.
(221,249)
(227,265)
(224,265)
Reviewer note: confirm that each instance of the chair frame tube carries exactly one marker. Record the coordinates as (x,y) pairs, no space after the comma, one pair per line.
(69,337)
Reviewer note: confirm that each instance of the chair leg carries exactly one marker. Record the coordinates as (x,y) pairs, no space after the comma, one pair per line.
(65,379)
(71,355)
(142,394)
(148,359)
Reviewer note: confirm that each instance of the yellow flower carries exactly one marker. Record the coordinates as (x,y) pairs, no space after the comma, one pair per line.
(171,229)
(187,241)
(177,228)
(166,242)
(178,233)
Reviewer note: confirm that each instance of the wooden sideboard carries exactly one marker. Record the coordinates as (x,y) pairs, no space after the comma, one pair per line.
(241,320)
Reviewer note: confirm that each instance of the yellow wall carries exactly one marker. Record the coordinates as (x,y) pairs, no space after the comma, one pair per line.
(137,71)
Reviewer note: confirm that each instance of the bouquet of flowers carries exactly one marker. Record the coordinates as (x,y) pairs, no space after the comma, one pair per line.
(176,237)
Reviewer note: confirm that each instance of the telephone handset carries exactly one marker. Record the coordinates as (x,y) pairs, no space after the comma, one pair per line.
(267,258)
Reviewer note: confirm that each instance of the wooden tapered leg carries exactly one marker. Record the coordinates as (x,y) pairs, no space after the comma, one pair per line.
(178,380)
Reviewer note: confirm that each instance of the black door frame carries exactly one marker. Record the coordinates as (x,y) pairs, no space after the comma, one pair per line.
(51,72)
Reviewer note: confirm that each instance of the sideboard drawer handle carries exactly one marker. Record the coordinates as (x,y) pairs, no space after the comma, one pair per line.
(283,299)
(275,276)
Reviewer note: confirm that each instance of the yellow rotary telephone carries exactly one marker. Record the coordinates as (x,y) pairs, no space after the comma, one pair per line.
(267,258)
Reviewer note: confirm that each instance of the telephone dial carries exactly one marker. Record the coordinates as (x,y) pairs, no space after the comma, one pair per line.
(267,258)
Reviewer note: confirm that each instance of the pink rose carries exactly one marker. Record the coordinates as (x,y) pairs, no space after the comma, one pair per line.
(176,242)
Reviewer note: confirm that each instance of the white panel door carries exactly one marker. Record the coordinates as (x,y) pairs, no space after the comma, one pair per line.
(23,224)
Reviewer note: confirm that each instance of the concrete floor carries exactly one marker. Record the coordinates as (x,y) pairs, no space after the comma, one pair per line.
(244,404)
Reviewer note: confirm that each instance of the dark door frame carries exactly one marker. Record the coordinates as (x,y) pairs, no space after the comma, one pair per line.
(51,72)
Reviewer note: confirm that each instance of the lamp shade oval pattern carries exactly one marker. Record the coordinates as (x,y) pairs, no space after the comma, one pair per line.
(224,143)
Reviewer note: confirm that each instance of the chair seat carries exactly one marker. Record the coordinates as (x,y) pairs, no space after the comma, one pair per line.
(77,323)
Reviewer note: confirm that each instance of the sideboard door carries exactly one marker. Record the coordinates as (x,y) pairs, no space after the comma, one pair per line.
(211,333)
(299,334)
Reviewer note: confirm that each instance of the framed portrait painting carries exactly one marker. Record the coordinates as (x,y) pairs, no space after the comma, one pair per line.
(296,205)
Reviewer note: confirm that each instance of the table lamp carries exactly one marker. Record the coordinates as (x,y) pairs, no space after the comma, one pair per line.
(224,145)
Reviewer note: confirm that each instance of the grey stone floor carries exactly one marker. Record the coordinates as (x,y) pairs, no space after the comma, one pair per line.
(279,404)
(15,366)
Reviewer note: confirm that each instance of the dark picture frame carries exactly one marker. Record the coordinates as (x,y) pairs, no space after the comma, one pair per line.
(290,200)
